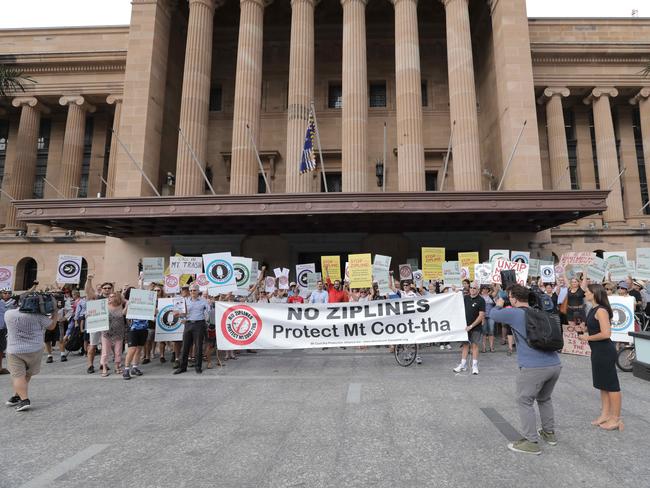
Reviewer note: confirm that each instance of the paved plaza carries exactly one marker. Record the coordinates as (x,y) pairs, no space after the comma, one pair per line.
(313,418)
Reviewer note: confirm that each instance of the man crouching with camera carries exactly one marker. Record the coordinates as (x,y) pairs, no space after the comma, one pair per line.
(26,326)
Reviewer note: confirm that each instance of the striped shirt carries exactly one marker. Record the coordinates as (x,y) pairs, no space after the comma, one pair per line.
(25,331)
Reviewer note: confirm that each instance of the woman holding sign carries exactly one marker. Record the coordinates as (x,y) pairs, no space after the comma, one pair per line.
(603,358)
(113,338)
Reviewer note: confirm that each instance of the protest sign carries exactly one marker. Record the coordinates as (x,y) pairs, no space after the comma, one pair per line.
(520,257)
(482,273)
(7,277)
(346,274)
(381,276)
(468,260)
(465,274)
(432,259)
(172,284)
(521,270)
(142,305)
(220,273)
(547,273)
(578,259)
(202,281)
(153,269)
(573,345)
(283,279)
(243,276)
(451,273)
(269,284)
(533,267)
(405,272)
(169,326)
(631,268)
(96,315)
(302,270)
(597,270)
(382,261)
(312,280)
(68,269)
(417,277)
(360,268)
(179,304)
(331,266)
(437,318)
(499,254)
(643,263)
(255,271)
(622,317)
(616,264)
(180,265)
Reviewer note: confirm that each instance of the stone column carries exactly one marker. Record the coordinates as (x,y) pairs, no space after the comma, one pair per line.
(73,144)
(627,154)
(20,173)
(195,99)
(462,97)
(354,149)
(112,156)
(585,155)
(643,100)
(244,168)
(408,81)
(606,151)
(301,91)
(558,152)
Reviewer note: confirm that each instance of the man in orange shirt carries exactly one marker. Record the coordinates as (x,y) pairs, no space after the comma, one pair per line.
(336,293)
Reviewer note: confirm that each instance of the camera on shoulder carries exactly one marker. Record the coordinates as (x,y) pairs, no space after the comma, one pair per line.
(41,303)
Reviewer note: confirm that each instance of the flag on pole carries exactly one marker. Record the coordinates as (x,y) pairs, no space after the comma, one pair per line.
(308,156)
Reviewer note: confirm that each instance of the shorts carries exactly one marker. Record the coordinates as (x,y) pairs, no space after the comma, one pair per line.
(94,338)
(507,328)
(488,327)
(138,337)
(211,341)
(3,340)
(52,336)
(151,334)
(24,364)
(475,335)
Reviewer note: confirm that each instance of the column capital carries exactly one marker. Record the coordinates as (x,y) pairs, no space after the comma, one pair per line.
(365,2)
(447,2)
(395,2)
(313,2)
(644,93)
(32,102)
(211,4)
(77,100)
(114,99)
(553,91)
(261,3)
(608,91)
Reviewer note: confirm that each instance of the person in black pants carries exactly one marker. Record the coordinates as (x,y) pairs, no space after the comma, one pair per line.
(603,358)
(196,310)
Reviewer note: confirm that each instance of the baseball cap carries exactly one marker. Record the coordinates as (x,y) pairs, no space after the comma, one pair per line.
(623,284)
(293,283)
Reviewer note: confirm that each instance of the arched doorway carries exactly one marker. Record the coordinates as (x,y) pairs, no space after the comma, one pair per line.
(26,273)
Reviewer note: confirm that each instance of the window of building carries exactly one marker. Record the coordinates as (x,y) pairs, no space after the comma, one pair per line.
(425,94)
(261,185)
(26,273)
(82,191)
(334,182)
(335,95)
(431,180)
(377,94)
(640,160)
(592,131)
(215,98)
(43,145)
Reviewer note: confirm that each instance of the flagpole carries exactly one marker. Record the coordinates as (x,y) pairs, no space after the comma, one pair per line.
(562,176)
(12,198)
(383,181)
(135,163)
(54,187)
(108,187)
(320,149)
(616,179)
(196,160)
(512,155)
(444,171)
(259,161)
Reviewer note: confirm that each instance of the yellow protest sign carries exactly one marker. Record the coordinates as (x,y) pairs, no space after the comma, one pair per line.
(360,268)
(331,266)
(432,259)
(468,260)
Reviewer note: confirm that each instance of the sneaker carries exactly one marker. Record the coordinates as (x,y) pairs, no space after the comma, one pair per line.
(91,369)
(126,374)
(460,368)
(176,364)
(64,359)
(136,371)
(525,446)
(14,400)
(548,437)
(474,369)
(146,361)
(23,405)
(162,359)
(418,360)
(448,347)
(49,360)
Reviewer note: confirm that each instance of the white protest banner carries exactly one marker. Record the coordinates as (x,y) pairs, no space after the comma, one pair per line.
(520,257)
(643,263)
(255,270)
(283,279)
(169,327)
(179,304)
(220,273)
(153,269)
(142,305)
(482,272)
(243,273)
(533,267)
(451,273)
(547,273)
(499,254)
(521,270)
(302,270)
(405,272)
(381,276)
(382,261)
(202,281)
(437,318)
(617,264)
(269,284)
(7,277)
(312,280)
(622,317)
(180,265)
(172,284)
(417,276)
(96,315)
(597,270)
(68,269)
(578,259)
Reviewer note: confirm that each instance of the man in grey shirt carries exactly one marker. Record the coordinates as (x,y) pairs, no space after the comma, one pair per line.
(6,303)
(196,311)
(538,374)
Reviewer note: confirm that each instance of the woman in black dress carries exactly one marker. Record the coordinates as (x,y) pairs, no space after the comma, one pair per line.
(603,358)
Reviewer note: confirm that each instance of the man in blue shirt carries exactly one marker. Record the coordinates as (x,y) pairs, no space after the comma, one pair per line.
(538,374)
(319,295)
(197,310)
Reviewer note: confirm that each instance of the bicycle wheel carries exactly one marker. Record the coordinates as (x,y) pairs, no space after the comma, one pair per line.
(625,357)
(405,354)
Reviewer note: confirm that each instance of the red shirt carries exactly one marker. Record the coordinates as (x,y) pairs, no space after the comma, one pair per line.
(295,299)
(336,296)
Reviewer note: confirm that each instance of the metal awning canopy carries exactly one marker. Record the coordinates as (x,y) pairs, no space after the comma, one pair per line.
(520,211)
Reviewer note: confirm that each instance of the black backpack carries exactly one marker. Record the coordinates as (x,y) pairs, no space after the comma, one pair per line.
(75,341)
(543,330)
(541,301)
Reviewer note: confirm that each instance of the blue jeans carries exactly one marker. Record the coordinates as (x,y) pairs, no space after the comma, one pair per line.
(488,327)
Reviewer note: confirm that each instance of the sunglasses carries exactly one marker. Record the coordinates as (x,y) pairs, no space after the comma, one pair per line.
(107,287)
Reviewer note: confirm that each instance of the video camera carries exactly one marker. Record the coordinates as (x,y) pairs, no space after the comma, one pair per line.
(41,303)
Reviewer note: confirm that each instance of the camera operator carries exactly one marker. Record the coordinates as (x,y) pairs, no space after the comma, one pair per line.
(26,325)
(6,303)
